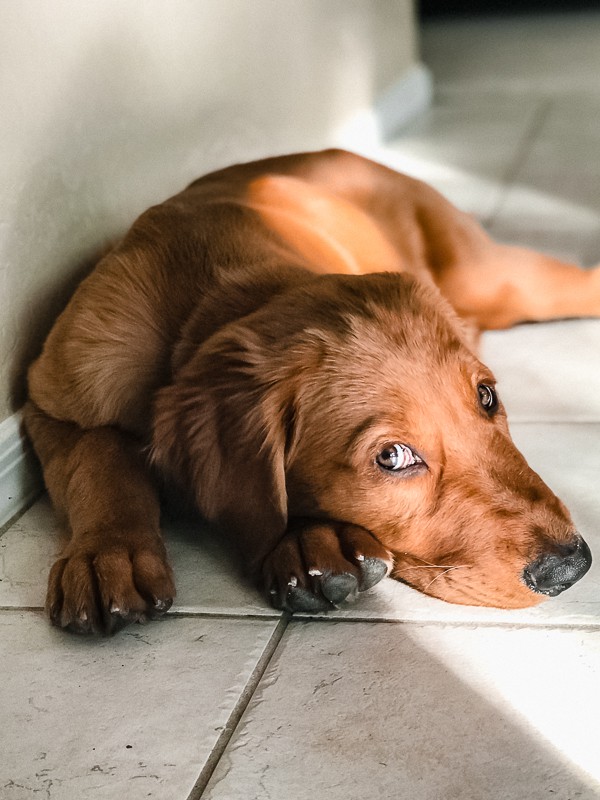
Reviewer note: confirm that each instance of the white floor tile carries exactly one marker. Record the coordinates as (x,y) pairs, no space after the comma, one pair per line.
(27,551)
(134,716)
(550,63)
(547,372)
(523,222)
(465,147)
(364,711)
(567,456)
(553,202)
(209,579)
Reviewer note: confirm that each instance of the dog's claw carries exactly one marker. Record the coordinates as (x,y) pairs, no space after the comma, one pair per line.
(325,595)
(162,605)
(338,588)
(77,626)
(372,570)
(303,601)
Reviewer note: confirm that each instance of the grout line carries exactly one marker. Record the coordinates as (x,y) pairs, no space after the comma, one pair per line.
(286,618)
(174,612)
(441,623)
(523,150)
(238,710)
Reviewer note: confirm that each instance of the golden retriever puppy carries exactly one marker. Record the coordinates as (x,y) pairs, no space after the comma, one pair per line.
(292,343)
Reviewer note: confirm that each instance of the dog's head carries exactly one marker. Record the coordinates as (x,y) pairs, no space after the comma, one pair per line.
(358,398)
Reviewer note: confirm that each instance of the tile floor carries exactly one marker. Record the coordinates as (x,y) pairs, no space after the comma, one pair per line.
(399,696)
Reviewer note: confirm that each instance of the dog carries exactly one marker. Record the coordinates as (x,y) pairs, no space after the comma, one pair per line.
(292,342)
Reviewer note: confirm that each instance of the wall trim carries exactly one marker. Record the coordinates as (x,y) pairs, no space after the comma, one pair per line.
(20,477)
(406,98)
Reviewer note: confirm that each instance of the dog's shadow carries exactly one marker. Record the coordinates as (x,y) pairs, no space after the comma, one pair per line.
(209,574)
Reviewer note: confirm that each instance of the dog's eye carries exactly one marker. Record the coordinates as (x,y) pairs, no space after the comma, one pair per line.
(396,457)
(488,399)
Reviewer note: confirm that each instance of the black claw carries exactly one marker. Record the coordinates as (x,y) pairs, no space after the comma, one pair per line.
(162,606)
(275,599)
(118,618)
(79,628)
(302,600)
(338,588)
(372,570)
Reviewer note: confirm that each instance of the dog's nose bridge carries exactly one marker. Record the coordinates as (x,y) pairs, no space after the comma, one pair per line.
(530,494)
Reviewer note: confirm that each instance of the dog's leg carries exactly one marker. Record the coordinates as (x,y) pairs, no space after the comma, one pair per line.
(114,570)
(508,285)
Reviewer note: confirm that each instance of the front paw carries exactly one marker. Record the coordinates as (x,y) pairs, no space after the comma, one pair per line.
(102,583)
(319,565)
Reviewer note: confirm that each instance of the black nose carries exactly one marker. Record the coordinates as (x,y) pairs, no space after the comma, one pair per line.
(554,572)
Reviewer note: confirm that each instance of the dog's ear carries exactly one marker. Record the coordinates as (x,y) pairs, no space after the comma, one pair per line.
(220,431)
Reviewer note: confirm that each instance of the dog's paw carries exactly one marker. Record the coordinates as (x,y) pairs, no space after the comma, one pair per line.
(319,565)
(100,584)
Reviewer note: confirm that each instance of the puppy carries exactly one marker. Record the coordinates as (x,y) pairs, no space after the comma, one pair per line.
(292,342)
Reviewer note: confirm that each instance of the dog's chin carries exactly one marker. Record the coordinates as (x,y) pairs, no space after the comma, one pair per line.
(522,597)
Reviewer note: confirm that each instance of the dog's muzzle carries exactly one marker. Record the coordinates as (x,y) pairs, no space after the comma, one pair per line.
(552,573)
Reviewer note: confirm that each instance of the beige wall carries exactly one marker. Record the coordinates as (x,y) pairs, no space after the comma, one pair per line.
(111,105)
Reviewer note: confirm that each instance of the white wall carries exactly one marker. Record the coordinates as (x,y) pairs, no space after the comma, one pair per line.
(111,105)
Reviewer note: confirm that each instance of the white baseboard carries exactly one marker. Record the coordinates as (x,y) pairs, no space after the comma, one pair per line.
(400,103)
(20,479)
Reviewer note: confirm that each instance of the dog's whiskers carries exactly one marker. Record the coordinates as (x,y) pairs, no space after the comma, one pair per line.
(429,565)
(445,572)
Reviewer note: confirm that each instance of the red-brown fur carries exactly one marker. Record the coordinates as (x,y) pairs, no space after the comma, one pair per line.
(262,335)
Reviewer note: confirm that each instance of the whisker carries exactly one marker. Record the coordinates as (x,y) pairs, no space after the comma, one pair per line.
(429,565)
(449,569)
(433,566)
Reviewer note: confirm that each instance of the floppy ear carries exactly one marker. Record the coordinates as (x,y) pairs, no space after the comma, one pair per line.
(220,432)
